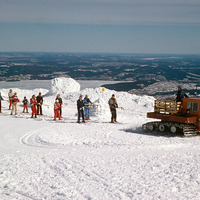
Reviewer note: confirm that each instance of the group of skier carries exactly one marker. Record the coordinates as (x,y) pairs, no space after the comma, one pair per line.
(83,105)
(35,102)
(113,105)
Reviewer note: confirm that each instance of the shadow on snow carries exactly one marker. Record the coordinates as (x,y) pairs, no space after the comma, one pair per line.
(139,131)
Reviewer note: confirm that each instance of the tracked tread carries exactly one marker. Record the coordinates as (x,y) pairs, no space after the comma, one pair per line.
(186,130)
(189,130)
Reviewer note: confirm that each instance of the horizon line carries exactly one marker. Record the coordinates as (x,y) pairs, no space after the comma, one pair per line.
(116,53)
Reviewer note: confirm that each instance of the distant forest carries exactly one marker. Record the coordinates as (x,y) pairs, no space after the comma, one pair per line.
(140,70)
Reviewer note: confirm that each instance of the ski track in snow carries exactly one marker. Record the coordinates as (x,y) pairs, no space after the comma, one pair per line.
(45,160)
(74,174)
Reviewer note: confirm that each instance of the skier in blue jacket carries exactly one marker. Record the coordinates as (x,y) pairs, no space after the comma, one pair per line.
(87,103)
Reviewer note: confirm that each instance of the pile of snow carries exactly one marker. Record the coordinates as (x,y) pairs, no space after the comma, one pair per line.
(64,86)
(129,103)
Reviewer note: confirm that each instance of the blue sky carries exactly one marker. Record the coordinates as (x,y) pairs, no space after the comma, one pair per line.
(115,26)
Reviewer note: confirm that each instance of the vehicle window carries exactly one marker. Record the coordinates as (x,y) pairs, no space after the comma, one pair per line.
(193,106)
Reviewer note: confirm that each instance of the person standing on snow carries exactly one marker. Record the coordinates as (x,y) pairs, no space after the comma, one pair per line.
(34,103)
(57,110)
(1,99)
(25,102)
(39,105)
(113,105)
(87,103)
(60,102)
(80,107)
(15,100)
(10,95)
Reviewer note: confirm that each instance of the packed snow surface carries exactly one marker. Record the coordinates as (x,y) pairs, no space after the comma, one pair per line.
(62,160)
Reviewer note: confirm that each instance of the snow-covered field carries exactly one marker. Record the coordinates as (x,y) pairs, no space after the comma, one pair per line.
(63,160)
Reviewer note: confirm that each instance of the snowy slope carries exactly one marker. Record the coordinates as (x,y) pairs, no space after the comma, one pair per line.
(43,159)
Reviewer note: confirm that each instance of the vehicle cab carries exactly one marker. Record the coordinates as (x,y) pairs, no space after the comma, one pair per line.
(190,108)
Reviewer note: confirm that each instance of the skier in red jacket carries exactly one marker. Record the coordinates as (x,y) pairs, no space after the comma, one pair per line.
(57,107)
(33,102)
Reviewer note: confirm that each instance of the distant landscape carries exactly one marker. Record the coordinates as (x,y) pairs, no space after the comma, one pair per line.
(148,74)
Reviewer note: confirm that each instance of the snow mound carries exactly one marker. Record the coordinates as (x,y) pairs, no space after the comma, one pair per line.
(64,86)
(124,99)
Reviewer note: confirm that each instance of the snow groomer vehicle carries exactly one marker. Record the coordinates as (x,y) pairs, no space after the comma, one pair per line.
(179,118)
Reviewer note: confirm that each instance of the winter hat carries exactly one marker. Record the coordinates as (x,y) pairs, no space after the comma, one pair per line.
(180,86)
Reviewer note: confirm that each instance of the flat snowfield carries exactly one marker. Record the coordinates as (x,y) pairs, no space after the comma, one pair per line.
(97,160)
